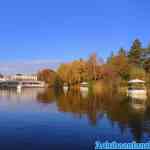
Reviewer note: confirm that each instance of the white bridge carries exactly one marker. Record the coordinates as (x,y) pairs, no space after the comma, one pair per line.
(21,84)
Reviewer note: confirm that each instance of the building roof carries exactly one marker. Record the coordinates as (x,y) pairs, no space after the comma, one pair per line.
(136,81)
(84,83)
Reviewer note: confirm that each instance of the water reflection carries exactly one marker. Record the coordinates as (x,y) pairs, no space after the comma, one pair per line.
(46,96)
(138,104)
(138,99)
(116,109)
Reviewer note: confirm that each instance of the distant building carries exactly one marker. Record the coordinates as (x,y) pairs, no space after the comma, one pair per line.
(24,77)
(2,79)
(8,77)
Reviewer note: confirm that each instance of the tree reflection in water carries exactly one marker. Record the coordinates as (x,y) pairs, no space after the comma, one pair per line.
(116,108)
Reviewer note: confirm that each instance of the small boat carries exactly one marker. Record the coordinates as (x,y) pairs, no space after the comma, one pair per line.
(137,89)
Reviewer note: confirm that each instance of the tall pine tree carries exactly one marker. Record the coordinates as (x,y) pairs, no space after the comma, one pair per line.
(135,53)
(122,51)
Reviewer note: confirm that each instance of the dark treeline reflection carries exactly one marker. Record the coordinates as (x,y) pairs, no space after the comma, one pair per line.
(46,96)
(115,107)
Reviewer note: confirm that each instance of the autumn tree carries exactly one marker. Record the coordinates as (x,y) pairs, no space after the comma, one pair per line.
(147,65)
(73,72)
(119,64)
(64,72)
(93,67)
(48,76)
(107,72)
(137,72)
(79,70)
(110,57)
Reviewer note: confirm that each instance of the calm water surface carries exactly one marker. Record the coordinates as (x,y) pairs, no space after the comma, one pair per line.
(36,119)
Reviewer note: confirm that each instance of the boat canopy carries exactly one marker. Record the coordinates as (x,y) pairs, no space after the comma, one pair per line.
(136,81)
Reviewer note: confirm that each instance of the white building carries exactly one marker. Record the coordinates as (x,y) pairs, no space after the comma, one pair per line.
(2,79)
(24,77)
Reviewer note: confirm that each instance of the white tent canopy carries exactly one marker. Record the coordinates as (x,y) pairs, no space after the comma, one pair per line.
(136,81)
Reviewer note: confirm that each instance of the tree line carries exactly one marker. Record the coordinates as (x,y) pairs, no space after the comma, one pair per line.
(121,66)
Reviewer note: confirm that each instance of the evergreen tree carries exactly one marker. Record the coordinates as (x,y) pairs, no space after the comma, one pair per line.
(122,51)
(135,53)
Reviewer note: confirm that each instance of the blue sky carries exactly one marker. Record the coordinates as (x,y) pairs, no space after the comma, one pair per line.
(52,30)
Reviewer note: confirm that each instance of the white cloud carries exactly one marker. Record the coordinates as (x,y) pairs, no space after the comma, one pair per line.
(27,66)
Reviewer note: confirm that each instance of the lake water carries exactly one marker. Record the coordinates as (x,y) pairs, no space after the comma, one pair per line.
(36,119)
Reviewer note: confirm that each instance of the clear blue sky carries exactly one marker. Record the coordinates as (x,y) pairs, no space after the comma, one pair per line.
(70,29)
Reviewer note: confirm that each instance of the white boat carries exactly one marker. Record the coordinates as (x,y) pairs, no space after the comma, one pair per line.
(137,89)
